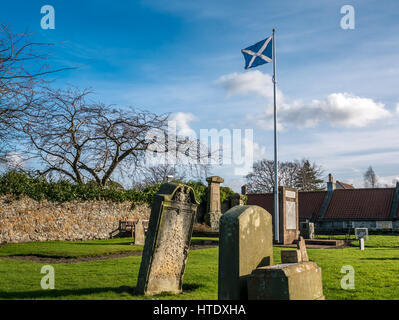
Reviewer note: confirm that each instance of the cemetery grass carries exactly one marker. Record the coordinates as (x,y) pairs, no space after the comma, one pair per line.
(375,268)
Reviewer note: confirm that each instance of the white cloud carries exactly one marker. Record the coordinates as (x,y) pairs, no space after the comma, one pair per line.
(397,108)
(183,120)
(14,160)
(251,82)
(338,109)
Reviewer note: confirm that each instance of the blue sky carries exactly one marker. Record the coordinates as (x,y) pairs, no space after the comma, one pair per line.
(337,88)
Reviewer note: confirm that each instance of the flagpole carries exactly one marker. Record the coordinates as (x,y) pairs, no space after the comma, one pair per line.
(276,203)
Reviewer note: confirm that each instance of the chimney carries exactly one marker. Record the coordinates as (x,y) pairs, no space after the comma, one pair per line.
(330,184)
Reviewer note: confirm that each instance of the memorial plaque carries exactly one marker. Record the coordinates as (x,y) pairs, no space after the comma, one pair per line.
(168,240)
(291,217)
(290,194)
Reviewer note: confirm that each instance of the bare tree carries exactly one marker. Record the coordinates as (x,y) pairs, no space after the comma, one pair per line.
(370,178)
(22,68)
(290,174)
(83,140)
(261,179)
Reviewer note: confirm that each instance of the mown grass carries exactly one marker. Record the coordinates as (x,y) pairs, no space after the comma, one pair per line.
(376,273)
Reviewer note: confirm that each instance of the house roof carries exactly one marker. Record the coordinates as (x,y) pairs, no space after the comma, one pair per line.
(345,185)
(310,203)
(345,203)
(360,204)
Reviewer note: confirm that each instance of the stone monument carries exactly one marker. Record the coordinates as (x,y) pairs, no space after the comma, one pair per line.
(245,243)
(139,234)
(288,215)
(290,281)
(168,240)
(295,256)
(236,199)
(214,211)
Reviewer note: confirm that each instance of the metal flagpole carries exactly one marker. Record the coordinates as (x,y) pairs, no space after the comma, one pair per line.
(276,204)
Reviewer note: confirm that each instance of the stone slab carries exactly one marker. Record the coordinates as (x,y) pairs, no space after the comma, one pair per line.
(297,281)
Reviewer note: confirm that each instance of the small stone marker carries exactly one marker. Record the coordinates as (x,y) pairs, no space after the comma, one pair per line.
(291,256)
(168,240)
(361,243)
(245,243)
(139,234)
(295,256)
(293,281)
(289,215)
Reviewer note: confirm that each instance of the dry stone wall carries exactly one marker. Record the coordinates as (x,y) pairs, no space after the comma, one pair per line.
(24,219)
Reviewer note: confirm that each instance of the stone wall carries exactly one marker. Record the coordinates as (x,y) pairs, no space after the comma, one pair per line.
(27,220)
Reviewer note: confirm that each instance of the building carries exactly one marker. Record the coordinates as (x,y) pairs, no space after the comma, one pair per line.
(342,207)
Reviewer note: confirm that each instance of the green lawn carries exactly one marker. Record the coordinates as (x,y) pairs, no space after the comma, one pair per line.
(376,271)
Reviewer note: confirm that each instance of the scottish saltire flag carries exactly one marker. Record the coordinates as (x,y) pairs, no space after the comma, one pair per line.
(259,53)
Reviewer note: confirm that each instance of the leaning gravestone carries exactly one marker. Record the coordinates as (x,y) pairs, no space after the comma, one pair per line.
(168,240)
(245,243)
(139,234)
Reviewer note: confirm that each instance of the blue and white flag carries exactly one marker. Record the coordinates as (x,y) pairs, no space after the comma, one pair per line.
(258,54)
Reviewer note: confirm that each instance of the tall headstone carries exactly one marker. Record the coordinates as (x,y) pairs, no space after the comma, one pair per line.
(214,211)
(288,215)
(245,243)
(139,234)
(361,243)
(168,240)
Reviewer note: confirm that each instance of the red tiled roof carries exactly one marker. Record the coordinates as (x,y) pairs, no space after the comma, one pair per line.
(345,185)
(360,204)
(264,200)
(310,203)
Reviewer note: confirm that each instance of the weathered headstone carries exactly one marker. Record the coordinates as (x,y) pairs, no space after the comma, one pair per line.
(139,234)
(306,229)
(236,199)
(292,281)
(245,243)
(167,241)
(289,215)
(214,211)
(301,245)
(362,233)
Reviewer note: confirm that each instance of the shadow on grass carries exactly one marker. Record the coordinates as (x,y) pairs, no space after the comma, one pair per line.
(43,294)
(382,259)
(104,244)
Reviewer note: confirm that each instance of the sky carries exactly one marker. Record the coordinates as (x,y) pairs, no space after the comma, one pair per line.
(338,103)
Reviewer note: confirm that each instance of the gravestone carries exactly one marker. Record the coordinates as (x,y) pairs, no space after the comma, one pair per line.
(290,281)
(139,234)
(214,211)
(245,243)
(236,199)
(288,214)
(168,240)
(362,233)
(306,229)
(295,256)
